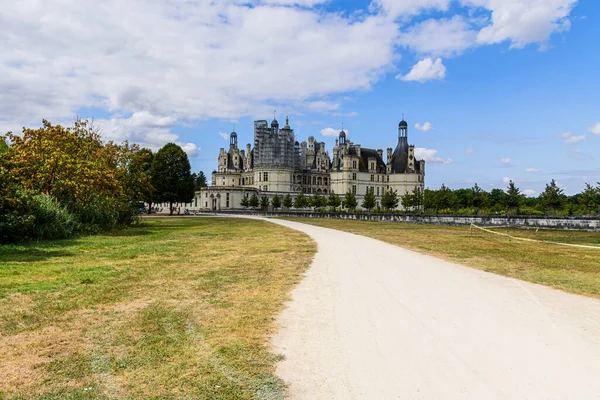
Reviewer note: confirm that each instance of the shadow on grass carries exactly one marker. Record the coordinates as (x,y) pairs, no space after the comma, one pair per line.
(24,254)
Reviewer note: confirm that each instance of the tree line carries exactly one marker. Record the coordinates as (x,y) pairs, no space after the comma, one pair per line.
(471,201)
(58,181)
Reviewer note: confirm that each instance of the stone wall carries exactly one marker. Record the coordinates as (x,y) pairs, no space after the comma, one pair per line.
(574,223)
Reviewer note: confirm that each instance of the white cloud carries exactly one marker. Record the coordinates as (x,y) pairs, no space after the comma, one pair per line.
(224,135)
(430,156)
(506,180)
(439,37)
(195,59)
(531,170)
(570,138)
(505,160)
(523,21)
(331,132)
(595,129)
(396,8)
(145,129)
(426,127)
(576,154)
(529,192)
(425,70)
(469,151)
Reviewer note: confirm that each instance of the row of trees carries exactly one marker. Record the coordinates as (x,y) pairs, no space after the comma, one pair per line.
(56,181)
(475,200)
(389,201)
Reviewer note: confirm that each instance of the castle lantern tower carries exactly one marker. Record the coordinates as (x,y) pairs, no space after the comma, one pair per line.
(275,126)
(342,138)
(233,140)
(403,129)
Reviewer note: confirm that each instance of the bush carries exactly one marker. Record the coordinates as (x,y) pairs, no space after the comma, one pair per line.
(50,219)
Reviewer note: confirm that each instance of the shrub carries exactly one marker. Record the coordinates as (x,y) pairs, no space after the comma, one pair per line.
(50,219)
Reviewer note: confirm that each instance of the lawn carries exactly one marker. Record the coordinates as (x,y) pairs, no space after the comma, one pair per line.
(570,269)
(175,308)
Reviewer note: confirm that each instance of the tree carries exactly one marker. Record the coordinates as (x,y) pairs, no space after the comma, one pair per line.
(146,156)
(418,198)
(552,197)
(334,201)
(513,198)
(407,201)
(477,198)
(245,202)
(390,199)
(287,201)
(100,182)
(264,201)
(463,197)
(350,201)
(446,198)
(199,180)
(171,176)
(276,202)
(369,200)
(590,198)
(254,202)
(318,201)
(430,200)
(301,201)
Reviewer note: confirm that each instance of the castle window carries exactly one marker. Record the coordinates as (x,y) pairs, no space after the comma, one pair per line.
(377,178)
(319,181)
(314,180)
(265,188)
(304,180)
(388,178)
(354,190)
(325,181)
(354,176)
(372,178)
(377,191)
(227,200)
(354,164)
(266,176)
(195,202)
(325,191)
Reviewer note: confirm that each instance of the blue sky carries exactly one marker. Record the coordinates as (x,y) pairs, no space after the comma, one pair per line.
(501,89)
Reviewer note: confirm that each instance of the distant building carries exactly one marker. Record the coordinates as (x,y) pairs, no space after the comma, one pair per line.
(278,164)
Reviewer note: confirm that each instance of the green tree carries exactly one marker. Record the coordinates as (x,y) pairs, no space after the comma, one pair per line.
(276,202)
(350,201)
(245,202)
(513,198)
(407,201)
(146,156)
(477,198)
(590,198)
(446,199)
(287,201)
(317,201)
(301,201)
(553,197)
(171,176)
(463,197)
(430,200)
(254,202)
(390,200)
(264,201)
(334,201)
(418,198)
(199,180)
(369,200)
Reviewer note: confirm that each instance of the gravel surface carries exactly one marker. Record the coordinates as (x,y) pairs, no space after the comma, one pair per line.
(375,321)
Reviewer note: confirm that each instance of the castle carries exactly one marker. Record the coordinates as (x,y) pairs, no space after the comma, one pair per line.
(278,165)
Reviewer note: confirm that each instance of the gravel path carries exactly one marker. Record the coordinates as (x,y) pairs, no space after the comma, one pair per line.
(375,321)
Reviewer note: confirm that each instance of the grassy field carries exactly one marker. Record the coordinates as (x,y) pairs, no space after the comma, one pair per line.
(176,308)
(571,269)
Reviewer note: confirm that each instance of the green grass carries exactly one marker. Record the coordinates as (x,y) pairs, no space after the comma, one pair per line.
(177,308)
(575,270)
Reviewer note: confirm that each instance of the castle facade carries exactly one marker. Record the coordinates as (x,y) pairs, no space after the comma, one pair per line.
(278,164)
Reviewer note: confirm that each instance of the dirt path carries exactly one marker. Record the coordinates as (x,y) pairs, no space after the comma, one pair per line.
(375,321)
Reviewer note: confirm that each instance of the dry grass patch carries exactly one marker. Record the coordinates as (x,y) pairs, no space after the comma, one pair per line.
(571,269)
(178,308)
